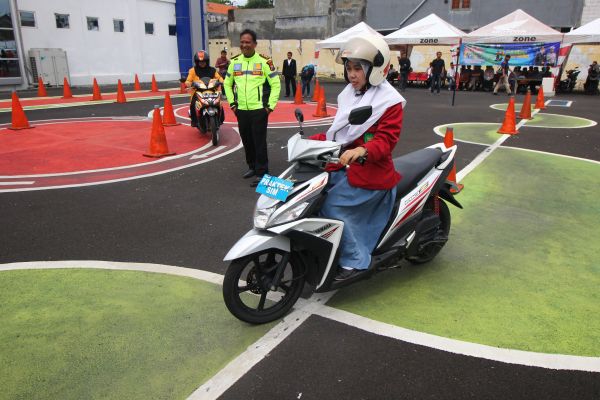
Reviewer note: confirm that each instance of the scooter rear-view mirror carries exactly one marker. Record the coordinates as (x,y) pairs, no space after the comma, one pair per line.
(360,115)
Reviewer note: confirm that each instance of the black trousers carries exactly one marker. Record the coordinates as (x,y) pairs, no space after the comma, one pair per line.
(403,80)
(290,80)
(253,131)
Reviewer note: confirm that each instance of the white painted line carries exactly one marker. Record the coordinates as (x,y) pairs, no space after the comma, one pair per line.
(204,155)
(460,175)
(121,266)
(238,367)
(316,305)
(17,183)
(541,360)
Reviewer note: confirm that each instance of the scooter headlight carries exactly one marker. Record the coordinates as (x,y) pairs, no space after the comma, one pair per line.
(291,214)
(262,215)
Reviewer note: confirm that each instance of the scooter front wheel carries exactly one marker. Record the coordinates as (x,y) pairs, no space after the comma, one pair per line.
(262,287)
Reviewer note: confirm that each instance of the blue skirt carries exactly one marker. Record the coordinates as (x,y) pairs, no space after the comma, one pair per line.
(365,214)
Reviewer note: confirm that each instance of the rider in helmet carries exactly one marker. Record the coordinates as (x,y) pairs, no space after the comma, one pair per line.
(363,195)
(201,69)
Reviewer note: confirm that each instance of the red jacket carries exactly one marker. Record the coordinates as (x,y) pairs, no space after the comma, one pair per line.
(377,173)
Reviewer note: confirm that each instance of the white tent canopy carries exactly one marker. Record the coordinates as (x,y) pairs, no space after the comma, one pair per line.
(516,27)
(429,30)
(588,33)
(336,41)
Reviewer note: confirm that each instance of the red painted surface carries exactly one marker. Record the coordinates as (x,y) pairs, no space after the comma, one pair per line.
(284,113)
(86,145)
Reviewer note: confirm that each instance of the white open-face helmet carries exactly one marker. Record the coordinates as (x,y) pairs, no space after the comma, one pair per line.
(371,49)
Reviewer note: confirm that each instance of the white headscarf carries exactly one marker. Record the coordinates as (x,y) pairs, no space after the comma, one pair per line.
(381,97)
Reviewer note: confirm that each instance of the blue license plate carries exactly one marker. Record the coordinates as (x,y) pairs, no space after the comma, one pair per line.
(274,187)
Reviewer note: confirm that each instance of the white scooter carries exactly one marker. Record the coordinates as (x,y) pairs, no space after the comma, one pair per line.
(291,244)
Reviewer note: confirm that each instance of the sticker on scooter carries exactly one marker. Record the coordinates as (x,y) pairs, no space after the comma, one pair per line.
(274,187)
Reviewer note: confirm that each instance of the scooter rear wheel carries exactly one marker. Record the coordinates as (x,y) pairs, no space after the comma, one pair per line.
(248,290)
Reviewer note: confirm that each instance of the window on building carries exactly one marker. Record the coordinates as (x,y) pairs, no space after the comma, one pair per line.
(172,30)
(27,18)
(149,26)
(62,21)
(119,25)
(9,58)
(92,23)
(461,4)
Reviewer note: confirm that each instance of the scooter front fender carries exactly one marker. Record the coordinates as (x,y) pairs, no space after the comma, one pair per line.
(255,241)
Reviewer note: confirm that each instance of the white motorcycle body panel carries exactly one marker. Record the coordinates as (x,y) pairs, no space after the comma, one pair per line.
(327,229)
(300,148)
(255,241)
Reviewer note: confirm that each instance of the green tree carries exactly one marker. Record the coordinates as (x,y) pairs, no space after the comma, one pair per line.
(259,4)
(226,2)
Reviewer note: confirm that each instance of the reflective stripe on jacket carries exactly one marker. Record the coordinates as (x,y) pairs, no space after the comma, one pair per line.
(249,75)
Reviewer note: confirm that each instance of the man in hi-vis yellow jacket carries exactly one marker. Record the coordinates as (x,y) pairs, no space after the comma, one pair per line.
(250,72)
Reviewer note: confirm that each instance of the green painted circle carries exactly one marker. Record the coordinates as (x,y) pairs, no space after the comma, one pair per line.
(83,333)
(517,272)
(544,120)
(480,133)
(547,120)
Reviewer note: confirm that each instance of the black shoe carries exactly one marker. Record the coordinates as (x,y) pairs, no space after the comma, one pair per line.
(344,274)
(256,181)
(249,174)
(194,124)
(495,94)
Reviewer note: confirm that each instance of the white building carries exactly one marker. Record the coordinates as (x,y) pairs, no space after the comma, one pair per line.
(107,40)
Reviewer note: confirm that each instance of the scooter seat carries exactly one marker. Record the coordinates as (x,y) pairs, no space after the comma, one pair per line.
(413,167)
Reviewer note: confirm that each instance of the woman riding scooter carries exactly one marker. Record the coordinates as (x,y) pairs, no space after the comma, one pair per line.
(362,195)
(201,69)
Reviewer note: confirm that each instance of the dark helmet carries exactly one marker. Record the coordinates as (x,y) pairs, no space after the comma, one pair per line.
(201,55)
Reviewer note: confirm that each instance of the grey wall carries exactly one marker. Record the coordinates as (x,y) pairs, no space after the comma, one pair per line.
(294,19)
(302,19)
(260,20)
(384,14)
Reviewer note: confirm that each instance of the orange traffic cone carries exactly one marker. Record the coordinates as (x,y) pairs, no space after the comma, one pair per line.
(321,105)
(449,142)
(539,102)
(66,89)
(41,88)
(120,93)
(298,96)
(316,91)
(525,112)
(96,91)
(158,140)
(182,88)
(136,83)
(509,126)
(18,117)
(168,114)
(154,85)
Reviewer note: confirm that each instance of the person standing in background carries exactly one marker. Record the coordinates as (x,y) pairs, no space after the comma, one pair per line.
(504,74)
(306,75)
(438,68)
(404,67)
(289,73)
(222,63)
